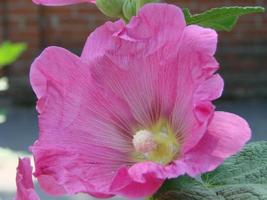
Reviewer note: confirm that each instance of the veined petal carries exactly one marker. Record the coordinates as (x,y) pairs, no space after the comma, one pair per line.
(227,134)
(144,34)
(140,65)
(210,89)
(148,175)
(61,2)
(193,108)
(25,188)
(101,40)
(80,127)
(152,32)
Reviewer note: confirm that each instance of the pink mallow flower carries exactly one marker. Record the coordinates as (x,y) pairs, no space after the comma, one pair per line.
(134,110)
(61,2)
(25,188)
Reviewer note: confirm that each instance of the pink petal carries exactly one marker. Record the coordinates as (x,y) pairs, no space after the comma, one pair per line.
(61,2)
(153,32)
(196,86)
(139,35)
(25,188)
(140,65)
(148,176)
(227,134)
(101,40)
(210,89)
(207,91)
(93,127)
(48,183)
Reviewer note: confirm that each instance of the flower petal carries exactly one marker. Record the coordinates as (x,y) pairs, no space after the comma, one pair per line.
(48,183)
(154,32)
(25,188)
(226,135)
(128,181)
(210,89)
(144,34)
(207,91)
(85,133)
(47,72)
(146,175)
(61,2)
(193,108)
(101,40)
(140,65)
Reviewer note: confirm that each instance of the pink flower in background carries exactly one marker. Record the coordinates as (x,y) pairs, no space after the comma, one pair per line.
(61,2)
(133,110)
(25,188)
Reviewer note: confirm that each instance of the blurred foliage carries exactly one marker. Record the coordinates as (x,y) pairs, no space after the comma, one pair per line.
(10,52)
(3,114)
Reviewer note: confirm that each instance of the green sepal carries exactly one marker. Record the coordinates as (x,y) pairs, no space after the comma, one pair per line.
(124,9)
(110,8)
(129,9)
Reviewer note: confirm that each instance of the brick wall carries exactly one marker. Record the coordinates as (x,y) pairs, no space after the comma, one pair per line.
(242,53)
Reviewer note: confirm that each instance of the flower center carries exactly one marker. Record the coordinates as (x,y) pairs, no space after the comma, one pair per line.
(157,143)
(144,142)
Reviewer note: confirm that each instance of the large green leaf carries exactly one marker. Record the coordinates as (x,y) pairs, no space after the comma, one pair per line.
(241,177)
(184,188)
(221,19)
(247,167)
(9,52)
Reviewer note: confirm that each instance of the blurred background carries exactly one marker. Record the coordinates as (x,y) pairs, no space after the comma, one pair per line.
(242,54)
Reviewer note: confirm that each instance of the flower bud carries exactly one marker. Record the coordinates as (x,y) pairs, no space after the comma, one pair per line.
(129,9)
(125,9)
(111,8)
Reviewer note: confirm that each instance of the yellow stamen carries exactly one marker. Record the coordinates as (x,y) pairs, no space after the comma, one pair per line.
(156,143)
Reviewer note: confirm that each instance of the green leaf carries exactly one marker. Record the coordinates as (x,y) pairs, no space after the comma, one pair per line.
(247,167)
(9,52)
(184,188)
(241,177)
(187,14)
(221,19)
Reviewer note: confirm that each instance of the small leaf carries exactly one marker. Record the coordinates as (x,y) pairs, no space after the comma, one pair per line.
(9,52)
(187,14)
(220,19)
(242,177)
